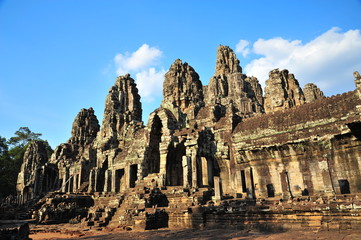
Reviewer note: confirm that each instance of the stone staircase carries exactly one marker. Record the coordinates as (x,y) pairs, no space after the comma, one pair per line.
(182,204)
(147,206)
(135,201)
(101,213)
(26,211)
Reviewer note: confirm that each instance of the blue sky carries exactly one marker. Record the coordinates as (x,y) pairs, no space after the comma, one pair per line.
(58,56)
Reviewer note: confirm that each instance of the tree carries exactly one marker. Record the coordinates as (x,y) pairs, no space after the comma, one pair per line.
(11,157)
(23,137)
(3,146)
(7,170)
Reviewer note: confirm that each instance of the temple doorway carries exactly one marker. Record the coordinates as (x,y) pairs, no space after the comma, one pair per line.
(174,168)
(153,150)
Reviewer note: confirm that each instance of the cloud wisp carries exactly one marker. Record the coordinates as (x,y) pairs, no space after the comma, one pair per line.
(328,60)
(144,64)
(150,83)
(242,47)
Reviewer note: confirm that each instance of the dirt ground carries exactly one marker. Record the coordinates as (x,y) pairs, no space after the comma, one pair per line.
(69,232)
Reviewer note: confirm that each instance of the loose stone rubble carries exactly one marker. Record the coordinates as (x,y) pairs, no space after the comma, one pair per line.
(14,230)
(210,156)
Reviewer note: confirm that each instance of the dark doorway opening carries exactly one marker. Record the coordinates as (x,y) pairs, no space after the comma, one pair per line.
(205,171)
(305,192)
(101,177)
(153,151)
(243,178)
(344,186)
(118,179)
(270,190)
(133,175)
(252,183)
(174,176)
(210,172)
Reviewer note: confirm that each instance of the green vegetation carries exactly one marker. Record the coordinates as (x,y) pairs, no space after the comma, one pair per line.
(11,157)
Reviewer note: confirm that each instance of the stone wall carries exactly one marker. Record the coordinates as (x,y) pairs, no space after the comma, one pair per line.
(340,108)
(309,150)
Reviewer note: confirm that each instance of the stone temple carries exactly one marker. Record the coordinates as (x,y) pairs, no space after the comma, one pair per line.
(222,154)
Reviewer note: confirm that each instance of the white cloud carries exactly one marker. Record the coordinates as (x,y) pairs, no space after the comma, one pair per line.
(143,63)
(328,60)
(139,60)
(150,83)
(242,47)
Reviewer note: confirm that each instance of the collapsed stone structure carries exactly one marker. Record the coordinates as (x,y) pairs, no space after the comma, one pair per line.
(204,146)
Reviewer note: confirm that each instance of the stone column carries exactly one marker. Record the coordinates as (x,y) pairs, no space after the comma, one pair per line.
(70,184)
(96,176)
(249,183)
(163,150)
(186,171)
(65,179)
(113,179)
(238,181)
(194,170)
(204,169)
(106,181)
(80,176)
(91,187)
(217,188)
(75,182)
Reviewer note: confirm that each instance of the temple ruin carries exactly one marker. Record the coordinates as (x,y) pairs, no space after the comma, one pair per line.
(222,154)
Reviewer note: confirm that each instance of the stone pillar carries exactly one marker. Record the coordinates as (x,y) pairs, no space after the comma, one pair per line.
(162,180)
(113,180)
(238,181)
(96,179)
(186,171)
(65,179)
(194,170)
(80,176)
(106,181)
(163,158)
(249,183)
(75,182)
(217,188)
(69,179)
(63,184)
(70,184)
(204,171)
(91,187)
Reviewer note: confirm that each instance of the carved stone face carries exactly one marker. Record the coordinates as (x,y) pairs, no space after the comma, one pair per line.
(357,75)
